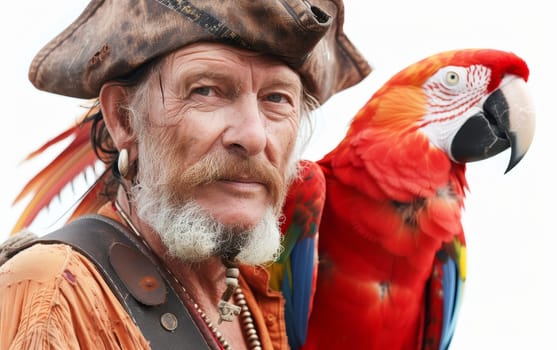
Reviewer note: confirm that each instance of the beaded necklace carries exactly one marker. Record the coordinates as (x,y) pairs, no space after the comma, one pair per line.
(227,311)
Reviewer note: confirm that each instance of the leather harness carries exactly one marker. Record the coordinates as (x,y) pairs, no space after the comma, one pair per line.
(134,275)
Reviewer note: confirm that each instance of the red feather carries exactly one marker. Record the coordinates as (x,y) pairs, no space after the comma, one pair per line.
(72,162)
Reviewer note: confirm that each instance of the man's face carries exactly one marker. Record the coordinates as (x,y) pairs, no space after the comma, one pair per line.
(220,130)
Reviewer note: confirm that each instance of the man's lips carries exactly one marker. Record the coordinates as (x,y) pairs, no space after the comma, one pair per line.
(243,184)
(244,181)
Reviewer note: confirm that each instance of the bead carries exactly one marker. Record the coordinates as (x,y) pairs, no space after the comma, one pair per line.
(231,282)
(232,272)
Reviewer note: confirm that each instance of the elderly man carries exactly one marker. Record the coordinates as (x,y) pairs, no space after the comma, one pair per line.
(200,105)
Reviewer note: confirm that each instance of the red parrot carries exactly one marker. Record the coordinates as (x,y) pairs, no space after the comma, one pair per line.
(391,242)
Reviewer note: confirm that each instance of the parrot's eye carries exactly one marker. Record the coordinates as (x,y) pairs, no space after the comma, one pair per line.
(452,78)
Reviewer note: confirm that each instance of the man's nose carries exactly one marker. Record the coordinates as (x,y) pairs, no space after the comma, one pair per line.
(245,132)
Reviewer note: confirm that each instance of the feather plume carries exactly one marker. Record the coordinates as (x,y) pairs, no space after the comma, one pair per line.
(72,162)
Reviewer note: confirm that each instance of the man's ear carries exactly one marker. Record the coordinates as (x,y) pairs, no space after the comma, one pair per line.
(117,120)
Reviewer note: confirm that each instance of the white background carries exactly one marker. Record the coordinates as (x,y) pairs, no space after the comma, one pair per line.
(509,301)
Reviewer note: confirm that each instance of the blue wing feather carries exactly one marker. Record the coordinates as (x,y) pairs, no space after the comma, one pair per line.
(453,276)
(446,286)
(295,272)
(298,291)
(452,294)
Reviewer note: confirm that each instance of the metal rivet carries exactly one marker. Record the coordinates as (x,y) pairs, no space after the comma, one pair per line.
(148,283)
(169,321)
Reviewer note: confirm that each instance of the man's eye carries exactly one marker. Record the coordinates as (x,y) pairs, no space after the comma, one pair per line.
(276,98)
(203,90)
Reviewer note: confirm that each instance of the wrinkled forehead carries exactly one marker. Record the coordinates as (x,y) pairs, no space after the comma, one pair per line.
(221,52)
(221,57)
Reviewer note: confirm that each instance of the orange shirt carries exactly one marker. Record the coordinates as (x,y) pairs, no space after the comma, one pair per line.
(52,297)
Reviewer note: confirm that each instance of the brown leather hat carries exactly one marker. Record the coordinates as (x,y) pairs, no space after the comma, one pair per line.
(111,38)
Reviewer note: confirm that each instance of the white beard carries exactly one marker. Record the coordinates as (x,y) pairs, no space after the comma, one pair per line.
(191,235)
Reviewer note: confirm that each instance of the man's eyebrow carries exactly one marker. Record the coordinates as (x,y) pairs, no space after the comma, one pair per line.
(191,76)
(198,74)
(291,84)
(188,76)
(285,81)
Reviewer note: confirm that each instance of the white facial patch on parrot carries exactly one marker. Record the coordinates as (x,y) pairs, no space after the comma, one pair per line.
(453,95)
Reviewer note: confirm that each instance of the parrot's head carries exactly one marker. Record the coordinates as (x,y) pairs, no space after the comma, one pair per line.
(473,103)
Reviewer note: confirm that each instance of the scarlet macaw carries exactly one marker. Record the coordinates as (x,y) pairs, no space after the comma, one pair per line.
(391,242)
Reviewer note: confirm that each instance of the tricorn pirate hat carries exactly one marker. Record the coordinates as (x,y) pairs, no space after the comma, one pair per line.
(111,38)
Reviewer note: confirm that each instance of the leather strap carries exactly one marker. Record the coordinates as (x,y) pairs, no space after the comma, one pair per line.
(132,272)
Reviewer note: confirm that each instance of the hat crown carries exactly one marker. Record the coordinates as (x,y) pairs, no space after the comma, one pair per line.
(111,38)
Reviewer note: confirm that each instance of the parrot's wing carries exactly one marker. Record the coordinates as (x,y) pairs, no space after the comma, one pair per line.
(445,294)
(70,163)
(295,272)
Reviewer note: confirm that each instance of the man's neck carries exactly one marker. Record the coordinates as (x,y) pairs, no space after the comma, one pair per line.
(204,281)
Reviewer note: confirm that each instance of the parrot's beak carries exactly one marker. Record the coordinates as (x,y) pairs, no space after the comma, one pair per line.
(507,120)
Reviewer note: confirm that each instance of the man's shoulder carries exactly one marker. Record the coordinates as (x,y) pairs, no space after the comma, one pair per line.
(39,262)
